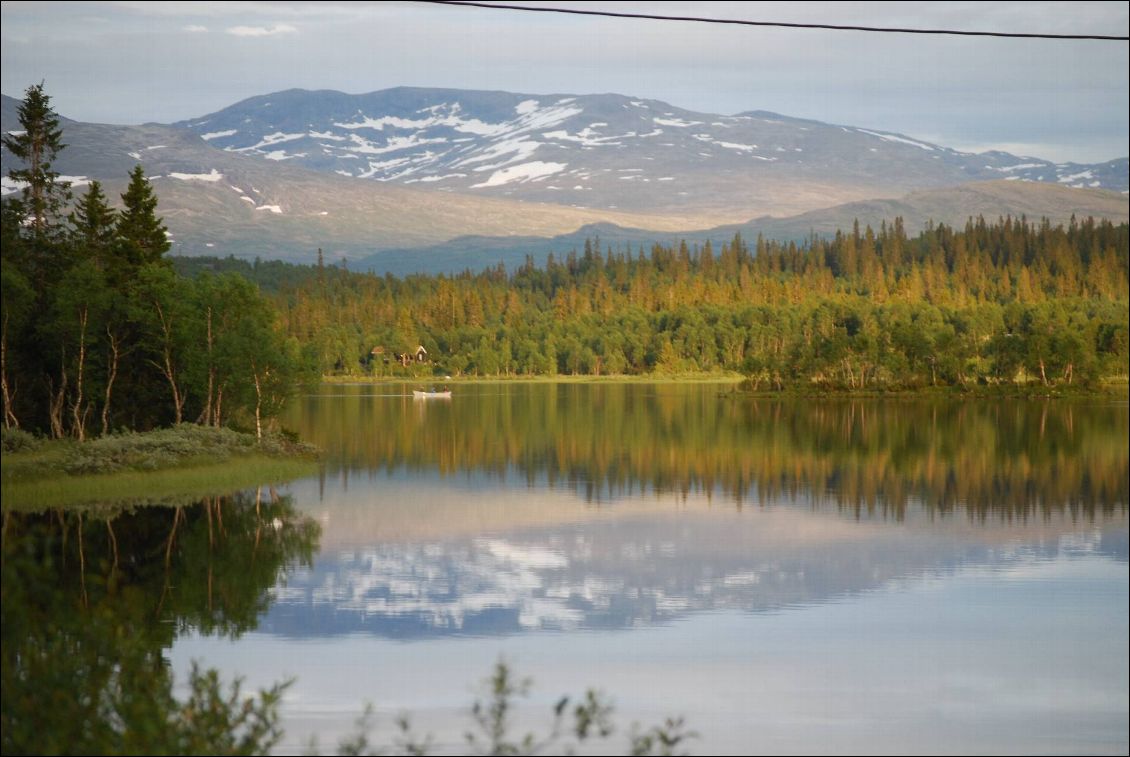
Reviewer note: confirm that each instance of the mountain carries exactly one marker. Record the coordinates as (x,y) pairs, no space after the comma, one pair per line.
(609,151)
(219,203)
(952,206)
(264,177)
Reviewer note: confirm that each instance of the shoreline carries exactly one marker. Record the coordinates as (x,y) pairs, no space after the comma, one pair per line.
(164,466)
(1118,386)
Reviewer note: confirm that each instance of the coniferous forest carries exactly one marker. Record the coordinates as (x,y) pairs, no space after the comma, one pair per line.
(98,333)
(993,303)
(102,330)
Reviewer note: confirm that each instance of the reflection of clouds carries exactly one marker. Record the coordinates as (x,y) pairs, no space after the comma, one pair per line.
(652,569)
(440,586)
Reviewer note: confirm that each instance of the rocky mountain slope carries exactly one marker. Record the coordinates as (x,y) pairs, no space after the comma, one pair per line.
(609,151)
(449,179)
(219,202)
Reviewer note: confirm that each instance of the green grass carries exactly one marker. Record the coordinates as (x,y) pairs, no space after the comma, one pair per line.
(166,466)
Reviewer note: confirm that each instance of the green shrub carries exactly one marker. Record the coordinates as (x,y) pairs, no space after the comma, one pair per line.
(15,440)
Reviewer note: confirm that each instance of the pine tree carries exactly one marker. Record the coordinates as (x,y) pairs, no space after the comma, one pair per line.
(35,146)
(144,236)
(93,222)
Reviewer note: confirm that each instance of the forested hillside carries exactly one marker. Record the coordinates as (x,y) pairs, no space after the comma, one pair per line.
(986,304)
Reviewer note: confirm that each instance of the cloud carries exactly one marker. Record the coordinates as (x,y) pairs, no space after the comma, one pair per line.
(195,28)
(261,31)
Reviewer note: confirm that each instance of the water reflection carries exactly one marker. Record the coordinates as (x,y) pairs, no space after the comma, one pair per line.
(516,508)
(989,458)
(643,563)
(94,598)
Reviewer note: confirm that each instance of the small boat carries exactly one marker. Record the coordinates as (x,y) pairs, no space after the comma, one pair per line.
(431,395)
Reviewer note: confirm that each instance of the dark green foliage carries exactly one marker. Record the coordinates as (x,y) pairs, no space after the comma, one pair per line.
(36,145)
(142,235)
(93,314)
(93,222)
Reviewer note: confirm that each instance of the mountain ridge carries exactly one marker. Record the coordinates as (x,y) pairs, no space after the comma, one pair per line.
(221,200)
(610,151)
(952,206)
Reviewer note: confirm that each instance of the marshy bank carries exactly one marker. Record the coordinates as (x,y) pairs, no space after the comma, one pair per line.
(163,465)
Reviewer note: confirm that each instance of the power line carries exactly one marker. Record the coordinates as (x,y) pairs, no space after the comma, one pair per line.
(741,22)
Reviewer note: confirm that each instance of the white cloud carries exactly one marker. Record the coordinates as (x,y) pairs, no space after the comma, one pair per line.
(261,31)
(195,28)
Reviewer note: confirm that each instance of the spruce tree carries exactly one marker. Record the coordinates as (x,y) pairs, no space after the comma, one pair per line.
(144,237)
(93,222)
(35,145)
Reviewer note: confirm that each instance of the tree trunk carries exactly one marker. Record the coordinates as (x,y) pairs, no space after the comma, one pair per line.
(115,354)
(168,369)
(10,420)
(258,403)
(1043,375)
(77,415)
(206,414)
(56,402)
(217,411)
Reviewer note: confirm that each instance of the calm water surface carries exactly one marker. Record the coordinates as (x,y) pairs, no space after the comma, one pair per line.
(877,576)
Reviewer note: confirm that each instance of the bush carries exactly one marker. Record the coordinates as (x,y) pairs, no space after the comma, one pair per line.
(15,440)
(169,447)
(588,719)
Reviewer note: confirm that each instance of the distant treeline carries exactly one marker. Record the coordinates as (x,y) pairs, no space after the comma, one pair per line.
(988,304)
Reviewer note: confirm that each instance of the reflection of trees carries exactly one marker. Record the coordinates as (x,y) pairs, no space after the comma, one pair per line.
(90,603)
(1001,457)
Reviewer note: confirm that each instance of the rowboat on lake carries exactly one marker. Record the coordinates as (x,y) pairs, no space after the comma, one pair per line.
(431,395)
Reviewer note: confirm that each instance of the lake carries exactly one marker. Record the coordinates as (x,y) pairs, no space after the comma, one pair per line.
(790,576)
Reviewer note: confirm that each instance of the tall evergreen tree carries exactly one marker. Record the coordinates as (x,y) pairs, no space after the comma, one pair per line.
(93,222)
(35,145)
(143,235)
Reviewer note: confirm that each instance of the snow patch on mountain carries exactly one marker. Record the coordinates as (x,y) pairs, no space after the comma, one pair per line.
(10,186)
(75,181)
(273,139)
(893,138)
(1076,176)
(452,120)
(587,137)
(429,179)
(392,144)
(218,134)
(533,171)
(283,155)
(521,149)
(211,176)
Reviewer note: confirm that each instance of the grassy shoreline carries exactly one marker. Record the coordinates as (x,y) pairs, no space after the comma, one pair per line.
(167,466)
(651,378)
(1117,386)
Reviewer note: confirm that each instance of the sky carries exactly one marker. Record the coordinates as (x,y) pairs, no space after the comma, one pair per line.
(135,62)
